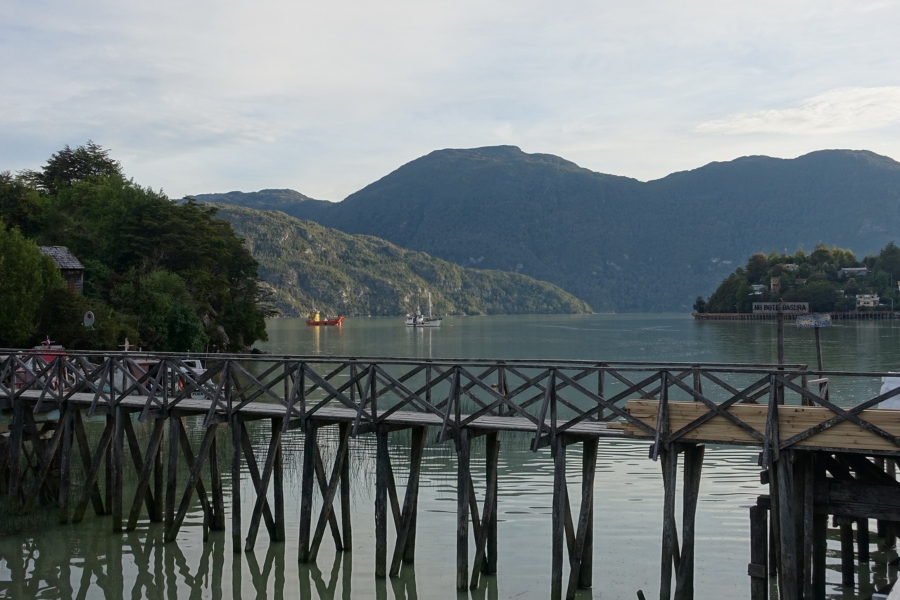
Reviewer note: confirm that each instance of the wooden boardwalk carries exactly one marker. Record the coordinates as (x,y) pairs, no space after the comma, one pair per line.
(819,455)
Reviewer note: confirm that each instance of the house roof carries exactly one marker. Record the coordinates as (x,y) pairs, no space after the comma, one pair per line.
(62,257)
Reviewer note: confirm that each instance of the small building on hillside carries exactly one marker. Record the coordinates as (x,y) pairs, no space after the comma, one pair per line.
(853,272)
(69,267)
(869,300)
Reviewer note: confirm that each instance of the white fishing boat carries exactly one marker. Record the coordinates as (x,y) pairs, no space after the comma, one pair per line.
(423,320)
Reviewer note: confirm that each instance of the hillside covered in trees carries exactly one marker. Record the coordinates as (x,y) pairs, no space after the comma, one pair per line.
(166,276)
(307,265)
(830,279)
(615,242)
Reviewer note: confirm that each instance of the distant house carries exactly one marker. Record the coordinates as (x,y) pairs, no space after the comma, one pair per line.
(790,266)
(867,300)
(758,289)
(69,267)
(853,272)
(775,284)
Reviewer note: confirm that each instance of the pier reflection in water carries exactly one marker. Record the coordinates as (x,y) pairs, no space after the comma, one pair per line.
(88,561)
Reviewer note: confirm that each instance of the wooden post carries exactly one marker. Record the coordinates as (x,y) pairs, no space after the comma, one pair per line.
(848,564)
(463,474)
(306,490)
(218,499)
(580,552)
(278,484)
(789,581)
(492,456)
(862,540)
(66,420)
(819,552)
(757,569)
(818,350)
(483,528)
(172,469)
(693,465)
(346,524)
(16,432)
(118,467)
(406,535)
(808,525)
(558,539)
(381,484)
(669,460)
(235,424)
(158,475)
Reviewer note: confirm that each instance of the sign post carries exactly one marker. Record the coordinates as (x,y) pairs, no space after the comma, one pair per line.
(815,322)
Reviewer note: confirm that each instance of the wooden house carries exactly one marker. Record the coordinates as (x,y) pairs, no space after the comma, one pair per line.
(70,267)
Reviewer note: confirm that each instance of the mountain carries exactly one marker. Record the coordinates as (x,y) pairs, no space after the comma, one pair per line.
(309,265)
(287,201)
(615,242)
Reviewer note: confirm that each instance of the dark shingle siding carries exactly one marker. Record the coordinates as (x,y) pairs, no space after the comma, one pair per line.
(62,257)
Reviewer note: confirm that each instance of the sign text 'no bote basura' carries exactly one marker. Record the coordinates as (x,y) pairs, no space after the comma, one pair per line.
(792,308)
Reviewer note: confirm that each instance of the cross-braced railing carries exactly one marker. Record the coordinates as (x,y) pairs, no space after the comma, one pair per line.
(545,398)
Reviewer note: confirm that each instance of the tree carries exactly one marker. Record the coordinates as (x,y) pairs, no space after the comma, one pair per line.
(20,206)
(820,255)
(700,305)
(26,278)
(757,267)
(889,260)
(69,166)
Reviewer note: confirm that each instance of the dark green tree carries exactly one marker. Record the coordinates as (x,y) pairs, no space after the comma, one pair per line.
(26,278)
(757,267)
(69,165)
(889,261)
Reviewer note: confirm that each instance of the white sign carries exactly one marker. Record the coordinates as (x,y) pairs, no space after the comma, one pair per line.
(789,308)
(811,321)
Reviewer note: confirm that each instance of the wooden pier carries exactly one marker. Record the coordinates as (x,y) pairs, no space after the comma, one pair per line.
(819,456)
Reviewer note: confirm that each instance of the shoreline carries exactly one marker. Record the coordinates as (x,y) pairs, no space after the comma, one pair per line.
(883,315)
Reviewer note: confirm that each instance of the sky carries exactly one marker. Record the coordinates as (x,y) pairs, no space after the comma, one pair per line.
(327,97)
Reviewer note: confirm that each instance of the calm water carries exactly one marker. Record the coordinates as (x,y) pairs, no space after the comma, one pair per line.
(86,561)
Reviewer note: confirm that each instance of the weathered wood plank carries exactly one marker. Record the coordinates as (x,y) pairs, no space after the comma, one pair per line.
(789,579)
(492,452)
(406,531)
(236,425)
(558,518)
(346,523)
(757,569)
(581,548)
(693,465)
(381,474)
(669,462)
(306,490)
(463,475)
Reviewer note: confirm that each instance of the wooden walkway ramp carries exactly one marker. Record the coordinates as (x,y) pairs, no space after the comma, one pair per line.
(815,447)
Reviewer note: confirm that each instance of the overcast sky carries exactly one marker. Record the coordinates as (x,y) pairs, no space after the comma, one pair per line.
(327,97)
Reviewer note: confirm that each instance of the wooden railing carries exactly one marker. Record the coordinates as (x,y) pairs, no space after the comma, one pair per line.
(546,398)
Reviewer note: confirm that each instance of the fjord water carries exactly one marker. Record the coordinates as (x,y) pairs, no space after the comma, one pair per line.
(86,560)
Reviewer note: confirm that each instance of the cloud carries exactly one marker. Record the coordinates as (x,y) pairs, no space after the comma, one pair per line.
(841,110)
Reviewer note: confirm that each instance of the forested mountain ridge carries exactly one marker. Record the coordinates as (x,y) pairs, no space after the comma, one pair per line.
(286,201)
(615,242)
(309,265)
